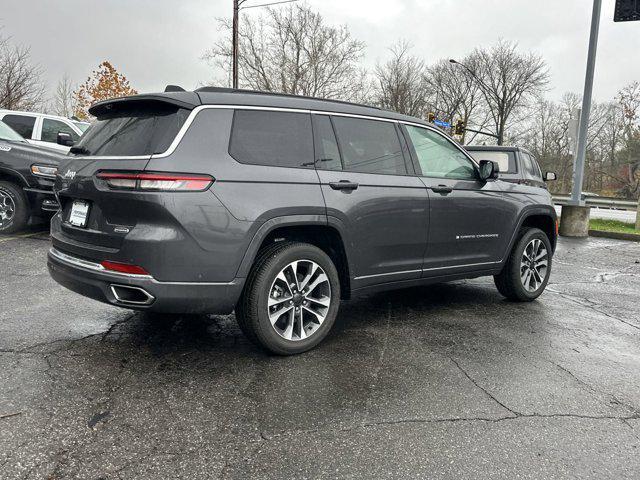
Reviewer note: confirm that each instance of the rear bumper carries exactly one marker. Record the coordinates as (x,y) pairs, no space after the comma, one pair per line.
(91,280)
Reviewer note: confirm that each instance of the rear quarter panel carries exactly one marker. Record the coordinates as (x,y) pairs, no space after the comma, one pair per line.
(249,195)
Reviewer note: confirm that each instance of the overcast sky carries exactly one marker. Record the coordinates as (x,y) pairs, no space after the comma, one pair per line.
(159,42)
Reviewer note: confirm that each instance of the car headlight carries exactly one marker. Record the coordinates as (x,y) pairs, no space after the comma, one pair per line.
(44,171)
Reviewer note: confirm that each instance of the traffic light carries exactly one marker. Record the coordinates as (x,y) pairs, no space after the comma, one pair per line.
(626,11)
(431,117)
(459,128)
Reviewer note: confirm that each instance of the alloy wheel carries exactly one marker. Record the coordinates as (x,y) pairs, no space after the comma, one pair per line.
(299,300)
(534,265)
(7,208)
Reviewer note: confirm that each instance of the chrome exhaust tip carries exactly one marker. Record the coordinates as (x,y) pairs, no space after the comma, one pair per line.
(128,295)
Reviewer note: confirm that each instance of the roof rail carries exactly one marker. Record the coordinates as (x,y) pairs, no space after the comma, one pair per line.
(276,94)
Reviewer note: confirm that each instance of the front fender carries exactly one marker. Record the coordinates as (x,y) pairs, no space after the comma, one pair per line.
(529,211)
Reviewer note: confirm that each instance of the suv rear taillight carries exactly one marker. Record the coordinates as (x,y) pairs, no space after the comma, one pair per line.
(158,182)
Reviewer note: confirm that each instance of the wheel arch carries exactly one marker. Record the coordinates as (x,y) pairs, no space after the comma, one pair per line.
(539,216)
(312,229)
(14,176)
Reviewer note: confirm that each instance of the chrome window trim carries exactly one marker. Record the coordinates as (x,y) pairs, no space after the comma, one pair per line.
(194,113)
(185,127)
(112,157)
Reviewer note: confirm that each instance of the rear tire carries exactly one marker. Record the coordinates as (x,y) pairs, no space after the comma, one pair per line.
(526,273)
(292,316)
(14,208)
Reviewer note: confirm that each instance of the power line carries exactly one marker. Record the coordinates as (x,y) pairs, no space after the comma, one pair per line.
(267,4)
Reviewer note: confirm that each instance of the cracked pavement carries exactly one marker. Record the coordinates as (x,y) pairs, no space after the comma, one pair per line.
(444,381)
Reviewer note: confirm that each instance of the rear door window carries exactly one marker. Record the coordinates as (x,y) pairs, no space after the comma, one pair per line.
(135,130)
(51,128)
(23,124)
(278,139)
(369,146)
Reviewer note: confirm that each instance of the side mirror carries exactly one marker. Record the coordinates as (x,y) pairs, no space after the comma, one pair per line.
(489,170)
(64,139)
(550,176)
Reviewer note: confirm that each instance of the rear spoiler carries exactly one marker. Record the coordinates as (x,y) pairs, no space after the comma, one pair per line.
(188,100)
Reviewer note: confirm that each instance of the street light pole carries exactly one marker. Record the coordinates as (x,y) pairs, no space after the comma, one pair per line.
(234,48)
(234,33)
(581,150)
(482,86)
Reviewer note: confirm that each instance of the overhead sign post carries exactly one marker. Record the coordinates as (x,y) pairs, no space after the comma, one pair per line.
(626,11)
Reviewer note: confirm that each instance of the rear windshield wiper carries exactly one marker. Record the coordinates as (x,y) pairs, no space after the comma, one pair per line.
(80,150)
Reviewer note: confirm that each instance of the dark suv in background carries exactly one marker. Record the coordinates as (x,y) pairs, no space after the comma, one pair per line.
(27,174)
(517,164)
(279,207)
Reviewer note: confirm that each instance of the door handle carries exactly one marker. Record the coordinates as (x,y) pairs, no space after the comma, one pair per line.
(343,185)
(442,189)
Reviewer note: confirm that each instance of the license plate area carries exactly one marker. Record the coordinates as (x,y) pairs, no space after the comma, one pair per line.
(79,213)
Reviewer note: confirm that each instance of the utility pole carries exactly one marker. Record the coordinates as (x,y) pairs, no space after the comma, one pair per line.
(574,220)
(234,49)
(237,6)
(581,150)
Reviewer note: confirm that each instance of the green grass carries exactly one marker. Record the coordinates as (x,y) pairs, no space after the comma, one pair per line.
(612,226)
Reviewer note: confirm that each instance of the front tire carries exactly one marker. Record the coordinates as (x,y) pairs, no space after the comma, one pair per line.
(526,273)
(14,208)
(291,298)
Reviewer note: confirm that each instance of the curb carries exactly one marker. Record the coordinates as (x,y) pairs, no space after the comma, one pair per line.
(615,235)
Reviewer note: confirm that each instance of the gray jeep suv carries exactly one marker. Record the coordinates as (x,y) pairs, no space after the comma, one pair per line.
(280,206)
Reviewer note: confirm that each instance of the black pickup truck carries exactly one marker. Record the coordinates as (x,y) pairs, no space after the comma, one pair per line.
(27,174)
(517,164)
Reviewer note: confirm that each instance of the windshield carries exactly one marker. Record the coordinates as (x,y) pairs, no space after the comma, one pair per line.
(141,130)
(8,133)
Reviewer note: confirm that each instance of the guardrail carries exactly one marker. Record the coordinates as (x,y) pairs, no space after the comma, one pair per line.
(600,202)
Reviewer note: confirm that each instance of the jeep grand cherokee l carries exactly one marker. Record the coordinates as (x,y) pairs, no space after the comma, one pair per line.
(280,206)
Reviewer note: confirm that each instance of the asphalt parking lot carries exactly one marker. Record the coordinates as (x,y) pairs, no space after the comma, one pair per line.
(447,381)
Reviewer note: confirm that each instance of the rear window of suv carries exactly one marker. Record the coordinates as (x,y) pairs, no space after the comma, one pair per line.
(278,139)
(506,160)
(133,131)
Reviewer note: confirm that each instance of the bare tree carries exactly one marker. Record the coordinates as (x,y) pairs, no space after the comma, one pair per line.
(454,94)
(64,103)
(400,83)
(508,80)
(629,100)
(21,87)
(292,50)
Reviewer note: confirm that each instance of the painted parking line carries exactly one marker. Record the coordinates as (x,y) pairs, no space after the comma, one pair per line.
(17,237)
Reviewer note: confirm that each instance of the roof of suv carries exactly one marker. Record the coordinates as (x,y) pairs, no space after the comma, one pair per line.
(492,148)
(227,96)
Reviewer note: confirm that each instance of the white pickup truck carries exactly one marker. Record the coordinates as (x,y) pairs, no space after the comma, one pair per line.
(42,129)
